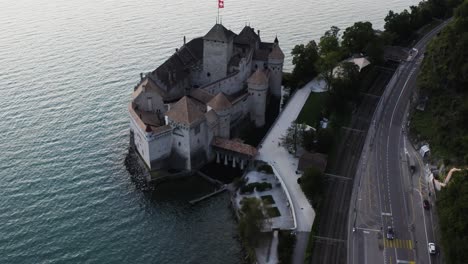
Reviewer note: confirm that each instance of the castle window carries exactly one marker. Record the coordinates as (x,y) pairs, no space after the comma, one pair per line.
(258,94)
(256,66)
(208,74)
(197,130)
(179,144)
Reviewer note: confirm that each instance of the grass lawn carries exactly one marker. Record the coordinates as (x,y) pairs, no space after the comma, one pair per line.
(310,113)
(268,199)
(273,212)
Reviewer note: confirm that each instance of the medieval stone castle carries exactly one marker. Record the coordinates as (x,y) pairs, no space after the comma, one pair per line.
(182,113)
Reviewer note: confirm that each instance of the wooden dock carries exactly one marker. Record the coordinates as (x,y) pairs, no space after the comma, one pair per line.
(195,201)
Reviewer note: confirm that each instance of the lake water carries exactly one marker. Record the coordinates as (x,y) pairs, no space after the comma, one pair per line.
(67,69)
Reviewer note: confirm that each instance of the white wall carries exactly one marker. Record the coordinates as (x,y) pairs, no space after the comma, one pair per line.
(181,145)
(257,98)
(141,144)
(160,146)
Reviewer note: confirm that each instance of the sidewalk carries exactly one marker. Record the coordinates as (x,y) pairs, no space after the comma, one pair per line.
(285,164)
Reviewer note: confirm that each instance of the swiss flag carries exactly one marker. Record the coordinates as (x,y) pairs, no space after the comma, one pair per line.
(220,3)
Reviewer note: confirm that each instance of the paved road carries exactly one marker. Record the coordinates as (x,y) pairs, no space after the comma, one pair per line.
(333,220)
(385,192)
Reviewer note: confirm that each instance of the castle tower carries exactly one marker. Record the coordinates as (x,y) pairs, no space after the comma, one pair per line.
(189,146)
(217,51)
(275,64)
(258,87)
(221,105)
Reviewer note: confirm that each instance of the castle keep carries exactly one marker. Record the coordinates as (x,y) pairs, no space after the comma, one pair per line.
(182,113)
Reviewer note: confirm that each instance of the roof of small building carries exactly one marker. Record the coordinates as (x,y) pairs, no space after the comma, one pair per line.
(185,111)
(315,160)
(276,53)
(258,77)
(219,102)
(219,33)
(235,146)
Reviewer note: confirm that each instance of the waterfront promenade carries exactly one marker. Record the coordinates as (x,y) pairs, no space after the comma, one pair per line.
(284,163)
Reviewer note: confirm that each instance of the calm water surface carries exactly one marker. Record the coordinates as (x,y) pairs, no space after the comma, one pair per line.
(67,69)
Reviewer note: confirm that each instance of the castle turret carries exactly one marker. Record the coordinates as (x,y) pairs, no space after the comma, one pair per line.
(258,87)
(217,51)
(221,105)
(275,64)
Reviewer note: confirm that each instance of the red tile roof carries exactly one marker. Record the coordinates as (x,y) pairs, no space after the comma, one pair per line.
(234,146)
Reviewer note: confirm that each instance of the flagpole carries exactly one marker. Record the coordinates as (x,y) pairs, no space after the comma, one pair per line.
(217,19)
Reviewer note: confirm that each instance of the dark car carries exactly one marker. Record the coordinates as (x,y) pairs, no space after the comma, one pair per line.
(390,233)
(426,204)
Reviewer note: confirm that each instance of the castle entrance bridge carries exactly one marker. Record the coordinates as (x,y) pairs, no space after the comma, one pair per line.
(233,152)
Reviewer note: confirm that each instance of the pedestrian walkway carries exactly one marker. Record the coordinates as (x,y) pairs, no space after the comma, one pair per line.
(398,243)
(284,164)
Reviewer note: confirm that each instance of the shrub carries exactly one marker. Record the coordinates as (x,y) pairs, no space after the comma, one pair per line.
(265,168)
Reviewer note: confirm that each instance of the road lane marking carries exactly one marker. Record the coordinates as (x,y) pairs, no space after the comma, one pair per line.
(398,243)
(367,229)
(405,261)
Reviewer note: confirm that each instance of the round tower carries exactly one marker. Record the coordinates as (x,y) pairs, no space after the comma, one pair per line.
(275,65)
(258,87)
(221,105)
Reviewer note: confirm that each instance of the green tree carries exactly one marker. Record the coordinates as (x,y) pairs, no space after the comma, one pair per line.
(294,137)
(251,224)
(329,42)
(330,54)
(312,184)
(452,207)
(345,87)
(399,24)
(324,140)
(357,37)
(304,60)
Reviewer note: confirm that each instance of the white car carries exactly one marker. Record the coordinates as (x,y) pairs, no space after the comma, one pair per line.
(432,248)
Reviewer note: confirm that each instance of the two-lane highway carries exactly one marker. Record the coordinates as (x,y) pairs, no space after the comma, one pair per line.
(384,192)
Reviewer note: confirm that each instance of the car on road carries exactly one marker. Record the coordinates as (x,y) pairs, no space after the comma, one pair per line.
(426,204)
(432,248)
(390,233)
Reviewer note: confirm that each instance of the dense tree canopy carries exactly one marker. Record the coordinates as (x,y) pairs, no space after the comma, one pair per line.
(312,184)
(250,223)
(452,206)
(357,38)
(304,60)
(444,79)
(330,54)
(401,26)
(444,124)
